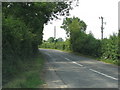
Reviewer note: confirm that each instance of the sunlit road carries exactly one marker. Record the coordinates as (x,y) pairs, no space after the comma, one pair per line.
(66,70)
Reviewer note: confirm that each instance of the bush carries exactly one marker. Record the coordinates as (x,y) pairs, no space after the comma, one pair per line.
(110,48)
(16,36)
(64,45)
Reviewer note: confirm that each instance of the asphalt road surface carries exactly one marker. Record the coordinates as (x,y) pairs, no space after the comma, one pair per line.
(66,70)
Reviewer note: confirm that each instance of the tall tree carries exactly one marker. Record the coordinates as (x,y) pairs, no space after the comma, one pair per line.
(74,28)
(23,24)
(73,24)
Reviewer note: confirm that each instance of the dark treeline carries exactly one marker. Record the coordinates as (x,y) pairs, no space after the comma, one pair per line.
(79,41)
(22,31)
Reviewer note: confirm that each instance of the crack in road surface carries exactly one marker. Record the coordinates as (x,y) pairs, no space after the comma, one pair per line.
(65,70)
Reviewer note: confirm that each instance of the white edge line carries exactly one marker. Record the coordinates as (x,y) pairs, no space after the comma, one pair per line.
(103,74)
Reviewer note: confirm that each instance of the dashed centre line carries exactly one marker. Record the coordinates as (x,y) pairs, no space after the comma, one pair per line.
(67,59)
(103,74)
(90,69)
(77,64)
(48,55)
(93,70)
(74,62)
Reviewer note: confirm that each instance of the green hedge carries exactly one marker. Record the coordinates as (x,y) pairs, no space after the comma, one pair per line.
(57,45)
(22,30)
(106,49)
(110,48)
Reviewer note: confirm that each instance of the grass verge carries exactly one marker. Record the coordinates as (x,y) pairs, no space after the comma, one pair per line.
(115,62)
(30,77)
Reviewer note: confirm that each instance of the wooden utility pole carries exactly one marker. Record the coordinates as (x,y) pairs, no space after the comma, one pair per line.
(102,26)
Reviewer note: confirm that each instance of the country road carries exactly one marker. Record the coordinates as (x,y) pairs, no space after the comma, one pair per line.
(66,70)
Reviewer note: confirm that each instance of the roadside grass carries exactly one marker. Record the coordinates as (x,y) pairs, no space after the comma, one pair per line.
(30,77)
(115,62)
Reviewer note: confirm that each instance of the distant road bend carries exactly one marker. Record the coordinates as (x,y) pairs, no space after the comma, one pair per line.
(66,70)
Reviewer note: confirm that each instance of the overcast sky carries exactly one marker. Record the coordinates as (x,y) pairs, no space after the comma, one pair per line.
(89,11)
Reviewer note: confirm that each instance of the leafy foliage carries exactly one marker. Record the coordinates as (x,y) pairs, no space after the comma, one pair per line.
(50,40)
(62,45)
(59,40)
(119,45)
(23,29)
(74,24)
(106,49)
(110,48)
(86,43)
(16,36)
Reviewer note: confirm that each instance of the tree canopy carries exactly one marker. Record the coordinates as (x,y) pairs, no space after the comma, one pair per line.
(22,30)
(74,24)
(51,39)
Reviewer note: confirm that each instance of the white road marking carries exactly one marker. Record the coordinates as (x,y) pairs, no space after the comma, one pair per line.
(48,55)
(67,59)
(103,74)
(74,62)
(94,70)
(77,64)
